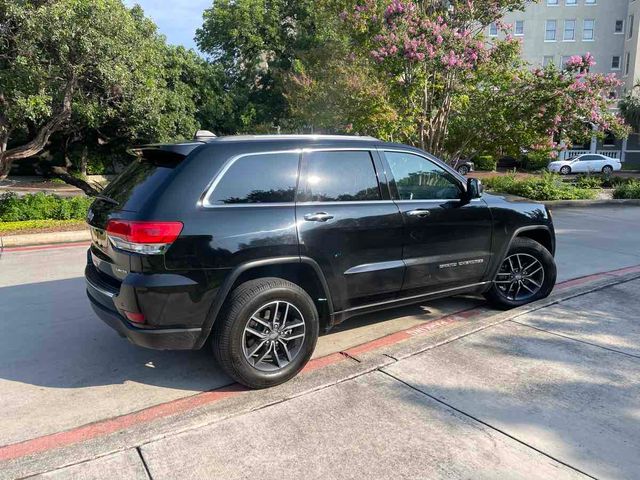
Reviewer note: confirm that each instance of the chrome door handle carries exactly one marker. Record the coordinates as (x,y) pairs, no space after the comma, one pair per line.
(419,212)
(318,217)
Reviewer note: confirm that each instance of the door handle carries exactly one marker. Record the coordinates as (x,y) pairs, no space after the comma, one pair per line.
(419,212)
(318,217)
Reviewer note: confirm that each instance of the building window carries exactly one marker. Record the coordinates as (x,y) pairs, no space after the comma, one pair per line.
(519,28)
(630,26)
(552,2)
(569,30)
(588,30)
(615,62)
(627,61)
(619,26)
(589,2)
(564,59)
(550,31)
(571,3)
(547,60)
(493,30)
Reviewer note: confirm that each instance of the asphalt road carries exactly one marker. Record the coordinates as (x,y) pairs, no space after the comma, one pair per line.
(60,367)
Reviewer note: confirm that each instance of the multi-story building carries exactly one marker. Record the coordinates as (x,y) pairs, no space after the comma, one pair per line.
(552,31)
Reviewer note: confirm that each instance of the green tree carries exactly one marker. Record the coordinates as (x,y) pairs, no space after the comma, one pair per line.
(93,69)
(257,43)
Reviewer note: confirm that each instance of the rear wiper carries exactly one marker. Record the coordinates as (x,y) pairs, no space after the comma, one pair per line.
(104,198)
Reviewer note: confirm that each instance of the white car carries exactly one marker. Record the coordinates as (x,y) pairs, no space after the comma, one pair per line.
(586,163)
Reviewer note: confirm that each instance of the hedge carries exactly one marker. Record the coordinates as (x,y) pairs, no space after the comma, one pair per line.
(630,189)
(549,186)
(40,206)
(485,162)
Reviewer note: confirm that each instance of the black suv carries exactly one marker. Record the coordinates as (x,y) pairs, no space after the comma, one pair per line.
(254,244)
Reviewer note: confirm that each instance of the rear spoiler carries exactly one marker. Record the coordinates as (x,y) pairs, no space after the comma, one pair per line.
(168,152)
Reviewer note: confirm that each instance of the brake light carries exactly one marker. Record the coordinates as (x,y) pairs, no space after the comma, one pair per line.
(143,237)
(135,317)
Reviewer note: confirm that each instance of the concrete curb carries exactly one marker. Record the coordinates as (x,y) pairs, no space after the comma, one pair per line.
(98,439)
(592,203)
(46,238)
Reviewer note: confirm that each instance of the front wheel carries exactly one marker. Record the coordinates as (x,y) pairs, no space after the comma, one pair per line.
(266,333)
(527,273)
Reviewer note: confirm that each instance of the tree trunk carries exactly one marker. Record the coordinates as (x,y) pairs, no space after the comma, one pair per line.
(83,185)
(37,144)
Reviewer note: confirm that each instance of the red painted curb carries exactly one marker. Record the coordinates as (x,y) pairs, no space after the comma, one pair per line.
(46,247)
(111,425)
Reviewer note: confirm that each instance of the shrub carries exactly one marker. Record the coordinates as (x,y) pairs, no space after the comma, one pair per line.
(549,186)
(485,162)
(630,189)
(535,161)
(590,181)
(40,206)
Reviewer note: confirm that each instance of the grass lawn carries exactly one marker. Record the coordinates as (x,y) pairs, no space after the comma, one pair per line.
(37,226)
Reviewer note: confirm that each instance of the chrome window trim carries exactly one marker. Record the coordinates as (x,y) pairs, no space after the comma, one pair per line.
(204,198)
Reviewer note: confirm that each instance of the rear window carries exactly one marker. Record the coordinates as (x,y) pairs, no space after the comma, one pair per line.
(340,176)
(261,178)
(141,178)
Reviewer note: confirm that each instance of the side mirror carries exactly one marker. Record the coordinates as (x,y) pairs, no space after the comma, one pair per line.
(474,189)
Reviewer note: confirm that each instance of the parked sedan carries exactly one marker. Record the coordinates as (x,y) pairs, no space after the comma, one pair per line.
(586,163)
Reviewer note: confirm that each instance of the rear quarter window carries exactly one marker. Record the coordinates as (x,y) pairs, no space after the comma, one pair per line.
(257,178)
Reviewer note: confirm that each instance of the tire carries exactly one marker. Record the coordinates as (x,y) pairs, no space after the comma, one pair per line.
(523,250)
(251,299)
(607,169)
(566,170)
(463,169)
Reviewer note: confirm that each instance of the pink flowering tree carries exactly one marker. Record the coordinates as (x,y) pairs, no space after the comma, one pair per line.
(510,109)
(428,52)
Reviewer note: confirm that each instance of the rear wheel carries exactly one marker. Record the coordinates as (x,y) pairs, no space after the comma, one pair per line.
(463,169)
(266,332)
(527,273)
(566,170)
(607,169)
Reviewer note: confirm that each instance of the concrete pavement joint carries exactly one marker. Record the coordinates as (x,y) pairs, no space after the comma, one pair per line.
(144,463)
(488,425)
(576,339)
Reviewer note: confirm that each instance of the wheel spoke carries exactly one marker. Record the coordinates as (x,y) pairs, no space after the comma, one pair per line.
(535,271)
(517,290)
(286,349)
(511,264)
(275,354)
(519,262)
(255,350)
(264,354)
(255,332)
(284,319)
(533,263)
(291,327)
(261,321)
(525,286)
(502,281)
(293,337)
(534,282)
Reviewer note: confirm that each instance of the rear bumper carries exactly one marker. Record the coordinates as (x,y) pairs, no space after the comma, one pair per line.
(102,302)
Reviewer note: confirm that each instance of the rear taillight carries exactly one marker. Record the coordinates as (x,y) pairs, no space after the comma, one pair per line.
(143,237)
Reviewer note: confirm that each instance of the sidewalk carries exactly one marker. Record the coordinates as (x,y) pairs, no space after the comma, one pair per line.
(550,390)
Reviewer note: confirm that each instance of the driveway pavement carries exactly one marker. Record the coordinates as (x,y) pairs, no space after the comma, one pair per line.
(60,368)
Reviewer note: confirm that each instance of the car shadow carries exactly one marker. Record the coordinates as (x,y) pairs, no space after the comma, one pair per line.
(51,337)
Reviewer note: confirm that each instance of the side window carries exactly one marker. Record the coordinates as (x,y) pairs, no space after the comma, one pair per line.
(268,178)
(420,179)
(340,176)
(588,158)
